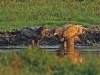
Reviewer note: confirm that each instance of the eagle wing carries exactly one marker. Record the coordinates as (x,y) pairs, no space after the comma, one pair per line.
(72,31)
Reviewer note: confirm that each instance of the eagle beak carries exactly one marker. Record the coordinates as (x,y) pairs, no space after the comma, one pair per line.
(55,34)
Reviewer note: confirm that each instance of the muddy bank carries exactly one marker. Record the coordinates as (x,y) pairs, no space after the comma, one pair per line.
(14,38)
(91,37)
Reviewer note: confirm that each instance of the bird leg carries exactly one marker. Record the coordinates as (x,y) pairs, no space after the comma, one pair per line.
(71,46)
(64,45)
(32,42)
(37,43)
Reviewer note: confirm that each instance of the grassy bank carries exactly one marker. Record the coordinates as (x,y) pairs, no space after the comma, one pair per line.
(36,62)
(33,61)
(21,13)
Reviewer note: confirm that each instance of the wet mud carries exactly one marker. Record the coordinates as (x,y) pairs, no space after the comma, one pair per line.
(15,38)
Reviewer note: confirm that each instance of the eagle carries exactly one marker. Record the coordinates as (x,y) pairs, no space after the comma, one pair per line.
(66,32)
(34,33)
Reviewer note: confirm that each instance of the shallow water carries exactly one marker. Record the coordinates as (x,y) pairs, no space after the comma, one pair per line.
(12,48)
(50,48)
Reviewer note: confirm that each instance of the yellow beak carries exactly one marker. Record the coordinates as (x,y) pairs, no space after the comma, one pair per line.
(55,33)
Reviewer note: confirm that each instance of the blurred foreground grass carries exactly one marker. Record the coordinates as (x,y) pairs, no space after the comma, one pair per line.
(34,61)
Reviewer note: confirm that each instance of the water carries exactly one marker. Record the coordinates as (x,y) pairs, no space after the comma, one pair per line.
(12,48)
(50,48)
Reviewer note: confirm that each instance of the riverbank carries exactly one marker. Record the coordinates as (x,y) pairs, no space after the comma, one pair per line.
(14,38)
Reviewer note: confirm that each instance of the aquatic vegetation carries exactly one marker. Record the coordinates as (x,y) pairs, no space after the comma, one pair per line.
(36,61)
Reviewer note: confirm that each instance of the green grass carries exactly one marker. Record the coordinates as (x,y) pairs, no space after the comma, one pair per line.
(34,61)
(19,14)
(22,13)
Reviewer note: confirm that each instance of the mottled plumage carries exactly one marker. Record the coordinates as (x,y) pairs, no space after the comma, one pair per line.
(68,31)
(34,33)
(73,30)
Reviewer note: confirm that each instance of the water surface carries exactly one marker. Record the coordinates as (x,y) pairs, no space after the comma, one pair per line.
(50,48)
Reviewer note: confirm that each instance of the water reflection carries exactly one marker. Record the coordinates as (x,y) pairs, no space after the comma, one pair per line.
(50,48)
(80,53)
